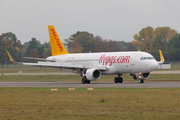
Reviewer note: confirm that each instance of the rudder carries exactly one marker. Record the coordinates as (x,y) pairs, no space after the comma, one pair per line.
(57,47)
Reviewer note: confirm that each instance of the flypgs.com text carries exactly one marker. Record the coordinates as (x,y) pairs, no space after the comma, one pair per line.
(109,60)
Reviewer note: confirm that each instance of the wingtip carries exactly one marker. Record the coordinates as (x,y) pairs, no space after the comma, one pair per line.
(161,56)
(11,59)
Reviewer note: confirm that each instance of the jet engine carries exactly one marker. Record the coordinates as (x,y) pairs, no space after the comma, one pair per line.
(141,76)
(92,74)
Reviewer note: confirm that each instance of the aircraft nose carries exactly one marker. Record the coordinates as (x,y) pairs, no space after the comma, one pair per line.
(154,65)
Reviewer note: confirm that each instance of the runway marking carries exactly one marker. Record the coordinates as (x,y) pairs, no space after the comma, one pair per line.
(71,88)
(54,90)
(90,88)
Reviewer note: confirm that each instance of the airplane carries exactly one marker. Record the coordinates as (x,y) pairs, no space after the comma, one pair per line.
(92,65)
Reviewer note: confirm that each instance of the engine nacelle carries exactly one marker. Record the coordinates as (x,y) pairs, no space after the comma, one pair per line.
(145,75)
(92,74)
(141,76)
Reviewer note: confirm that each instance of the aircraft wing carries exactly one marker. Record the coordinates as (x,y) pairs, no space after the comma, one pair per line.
(54,64)
(64,65)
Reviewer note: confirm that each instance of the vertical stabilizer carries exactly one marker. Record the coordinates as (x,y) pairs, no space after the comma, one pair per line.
(57,47)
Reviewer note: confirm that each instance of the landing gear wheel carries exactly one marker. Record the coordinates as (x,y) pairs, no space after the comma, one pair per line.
(120,80)
(83,81)
(116,80)
(88,81)
(141,81)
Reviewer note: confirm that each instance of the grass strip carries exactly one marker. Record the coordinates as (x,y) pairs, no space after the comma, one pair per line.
(101,103)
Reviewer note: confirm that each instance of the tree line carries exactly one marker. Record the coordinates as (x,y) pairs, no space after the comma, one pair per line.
(32,48)
(148,39)
(164,38)
(83,42)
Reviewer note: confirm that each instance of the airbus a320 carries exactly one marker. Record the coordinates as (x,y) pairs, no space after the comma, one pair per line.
(92,65)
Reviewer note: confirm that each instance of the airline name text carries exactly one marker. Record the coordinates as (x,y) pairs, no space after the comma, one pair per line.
(109,60)
(57,40)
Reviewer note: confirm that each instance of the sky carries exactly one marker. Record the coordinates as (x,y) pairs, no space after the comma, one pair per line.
(117,20)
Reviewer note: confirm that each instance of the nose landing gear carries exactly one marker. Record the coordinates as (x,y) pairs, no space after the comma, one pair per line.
(141,80)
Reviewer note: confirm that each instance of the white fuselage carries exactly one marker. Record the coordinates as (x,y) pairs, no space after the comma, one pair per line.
(116,62)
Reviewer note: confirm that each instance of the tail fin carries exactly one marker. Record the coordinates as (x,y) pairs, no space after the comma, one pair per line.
(57,47)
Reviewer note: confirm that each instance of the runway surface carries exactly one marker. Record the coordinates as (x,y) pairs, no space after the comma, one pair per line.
(92,85)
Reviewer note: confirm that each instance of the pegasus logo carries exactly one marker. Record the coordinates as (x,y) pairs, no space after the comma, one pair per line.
(57,40)
(109,60)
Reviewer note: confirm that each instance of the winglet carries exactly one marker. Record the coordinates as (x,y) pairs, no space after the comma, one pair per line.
(57,47)
(11,59)
(161,56)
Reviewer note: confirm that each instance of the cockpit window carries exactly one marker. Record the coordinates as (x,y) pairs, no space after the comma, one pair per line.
(144,58)
(149,58)
(141,58)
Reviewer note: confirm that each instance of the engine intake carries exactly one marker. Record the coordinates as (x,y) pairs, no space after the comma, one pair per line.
(92,74)
(146,75)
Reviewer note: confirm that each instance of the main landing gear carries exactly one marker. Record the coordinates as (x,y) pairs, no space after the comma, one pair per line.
(84,81)
(118,79)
